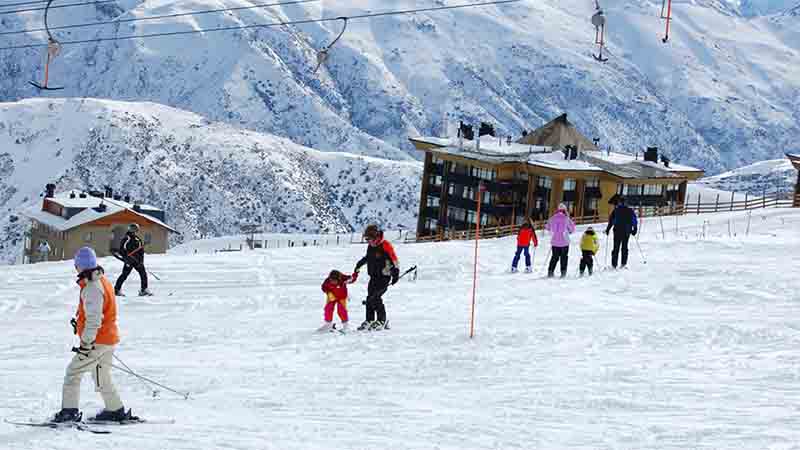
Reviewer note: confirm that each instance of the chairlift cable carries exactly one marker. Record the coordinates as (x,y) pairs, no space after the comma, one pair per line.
(266,25)
(165,16)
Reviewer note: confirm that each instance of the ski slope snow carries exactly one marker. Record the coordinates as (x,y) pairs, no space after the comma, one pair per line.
(696,349)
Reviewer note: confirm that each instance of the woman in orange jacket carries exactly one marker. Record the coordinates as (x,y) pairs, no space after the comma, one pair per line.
(524,238)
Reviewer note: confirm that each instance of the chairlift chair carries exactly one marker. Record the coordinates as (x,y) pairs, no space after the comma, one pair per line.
(599,22)
(323,54)
(53,49)
(666,5)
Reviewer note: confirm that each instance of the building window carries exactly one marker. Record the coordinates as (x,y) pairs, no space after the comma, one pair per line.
(570,207)
(653,189)
(520,175)
(630,189)
(471,217)
(545,182)
(435,180)
(673,187)
(88,237)
(469,192)
(148,238)
(570,184)
(456,215)
(486,198)
(484,174)
(431,224)
(590,207)
(593,182)
(432,202)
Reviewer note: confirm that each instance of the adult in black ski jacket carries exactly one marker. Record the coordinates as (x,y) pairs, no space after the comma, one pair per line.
(383,270)
(624,222)
(131,249)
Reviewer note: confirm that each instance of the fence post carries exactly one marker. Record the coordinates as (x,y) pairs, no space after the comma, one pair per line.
(716,206)
(732,194)
(746,195)
(764,199)
(698,203)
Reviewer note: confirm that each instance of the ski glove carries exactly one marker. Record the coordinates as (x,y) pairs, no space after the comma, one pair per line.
(83,351)
(395,273)
(74,324)
(354,277)
(633,232)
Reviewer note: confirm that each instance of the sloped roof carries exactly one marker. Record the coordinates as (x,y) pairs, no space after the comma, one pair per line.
(795,159)
(88,215)
(558,133)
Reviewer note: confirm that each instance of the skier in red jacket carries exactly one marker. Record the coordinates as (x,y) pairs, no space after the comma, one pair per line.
(526,234)
(335,289)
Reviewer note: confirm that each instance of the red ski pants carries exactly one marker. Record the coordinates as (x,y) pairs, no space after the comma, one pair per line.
(341,310)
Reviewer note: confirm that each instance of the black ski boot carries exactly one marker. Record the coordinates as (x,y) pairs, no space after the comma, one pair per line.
(68,415)
(365,325)
(377,325)
(119,415)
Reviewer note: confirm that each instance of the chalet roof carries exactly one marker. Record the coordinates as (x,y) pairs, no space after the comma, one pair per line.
(558,133)
(795,159)
(88,214)
(617,164)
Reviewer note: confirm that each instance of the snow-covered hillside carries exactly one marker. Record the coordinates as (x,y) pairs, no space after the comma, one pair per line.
(772,175)
(697,349)
(210,178)
(724,92)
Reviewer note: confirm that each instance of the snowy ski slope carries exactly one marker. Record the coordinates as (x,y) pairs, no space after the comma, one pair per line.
(697,349)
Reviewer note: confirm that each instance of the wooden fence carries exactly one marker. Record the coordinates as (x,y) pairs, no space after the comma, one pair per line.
(777,200)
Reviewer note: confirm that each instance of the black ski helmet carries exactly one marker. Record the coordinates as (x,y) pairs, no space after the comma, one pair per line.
(372,232)
(133,228)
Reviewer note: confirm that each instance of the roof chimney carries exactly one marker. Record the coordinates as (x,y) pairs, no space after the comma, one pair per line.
(72,194)
(478,143)
(127,199)
(651,154)
(665,160)
(49,190)
(137,208)
(109,192)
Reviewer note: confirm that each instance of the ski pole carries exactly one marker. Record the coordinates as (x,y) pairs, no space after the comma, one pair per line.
(154,275)
(129,371)
(644,260)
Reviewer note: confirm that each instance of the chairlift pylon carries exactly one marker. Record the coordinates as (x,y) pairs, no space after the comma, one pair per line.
(53,49)
(323,54)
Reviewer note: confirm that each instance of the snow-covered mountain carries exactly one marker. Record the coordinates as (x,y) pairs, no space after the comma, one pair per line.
(772,175)
(210,178)
(723,92)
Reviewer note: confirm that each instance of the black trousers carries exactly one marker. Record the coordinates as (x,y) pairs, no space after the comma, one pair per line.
(127,271)
(620,243)
(560,254)
(375,290)
(587,261)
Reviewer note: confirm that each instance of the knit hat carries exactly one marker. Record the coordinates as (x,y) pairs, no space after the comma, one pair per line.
(562,207)
(133,228)
(85,259)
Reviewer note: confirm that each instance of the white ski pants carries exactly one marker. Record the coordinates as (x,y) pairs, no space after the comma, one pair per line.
(99,364)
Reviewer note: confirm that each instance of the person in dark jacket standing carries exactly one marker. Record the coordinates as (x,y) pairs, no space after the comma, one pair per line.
(131,250)
(623,220)
(384,270)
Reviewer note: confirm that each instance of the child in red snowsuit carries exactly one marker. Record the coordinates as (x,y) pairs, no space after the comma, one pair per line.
(335,289)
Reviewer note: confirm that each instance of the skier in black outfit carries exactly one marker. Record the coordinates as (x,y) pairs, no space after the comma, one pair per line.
(623,220)
(383,270)
(131,250)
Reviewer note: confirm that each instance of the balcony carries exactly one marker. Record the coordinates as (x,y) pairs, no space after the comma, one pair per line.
(593,192)
(570,196)
(431,212)
(635,201)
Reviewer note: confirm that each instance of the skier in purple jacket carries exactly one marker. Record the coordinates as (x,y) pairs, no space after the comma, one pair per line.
(560,227)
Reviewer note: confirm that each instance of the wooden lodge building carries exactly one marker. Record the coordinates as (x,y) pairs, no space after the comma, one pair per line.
(74,219)
(529,178)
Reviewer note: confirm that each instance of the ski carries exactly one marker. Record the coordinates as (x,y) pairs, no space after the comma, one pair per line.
(93,421)
(80,426)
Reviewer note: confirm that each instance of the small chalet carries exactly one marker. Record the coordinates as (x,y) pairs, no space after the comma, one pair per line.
(74,219)
(530,177)
(795,159)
